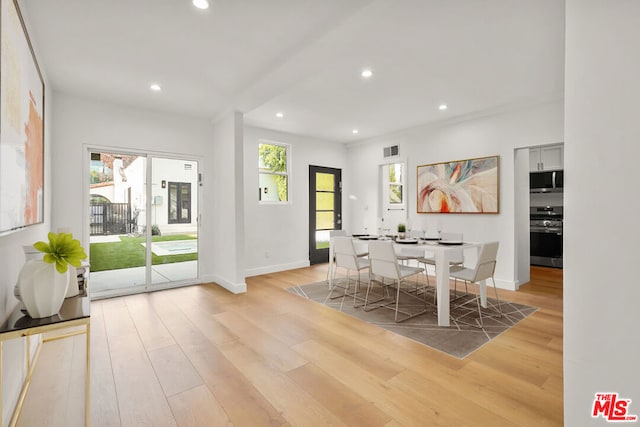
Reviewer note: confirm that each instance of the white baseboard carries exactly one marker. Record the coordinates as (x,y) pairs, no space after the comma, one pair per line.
(275,268)
(506,284)
(236,288)
(516,285)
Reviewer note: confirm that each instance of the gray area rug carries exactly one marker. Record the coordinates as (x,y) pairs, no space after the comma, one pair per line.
(458,340)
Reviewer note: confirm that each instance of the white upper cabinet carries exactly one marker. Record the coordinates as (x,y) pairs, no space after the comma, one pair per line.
(546,157)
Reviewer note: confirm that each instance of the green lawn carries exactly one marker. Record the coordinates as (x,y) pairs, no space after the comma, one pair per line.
(130,253)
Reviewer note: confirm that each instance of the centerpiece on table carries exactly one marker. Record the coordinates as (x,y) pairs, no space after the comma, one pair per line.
(43,283)
(402,231)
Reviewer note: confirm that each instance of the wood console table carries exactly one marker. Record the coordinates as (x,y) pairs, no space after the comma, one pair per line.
(75,312)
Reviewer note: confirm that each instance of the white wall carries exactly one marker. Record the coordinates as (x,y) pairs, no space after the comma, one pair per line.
(81,123)
(486,136)
(601,289)
(277,235)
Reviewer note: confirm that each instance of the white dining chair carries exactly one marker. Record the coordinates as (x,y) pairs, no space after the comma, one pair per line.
(408,253)
(384,264)
(339,233)
(483,270)
(347,258)
(456,258)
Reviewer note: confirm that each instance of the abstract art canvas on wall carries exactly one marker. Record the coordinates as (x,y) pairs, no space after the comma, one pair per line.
(462,186)
(21,125)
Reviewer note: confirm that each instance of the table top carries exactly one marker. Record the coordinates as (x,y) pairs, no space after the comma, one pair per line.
(73,308)
(421,243)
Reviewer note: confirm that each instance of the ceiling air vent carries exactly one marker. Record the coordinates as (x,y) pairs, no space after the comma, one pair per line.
(391,151)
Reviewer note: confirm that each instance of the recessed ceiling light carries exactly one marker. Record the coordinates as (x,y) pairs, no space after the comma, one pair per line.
(201,4)
(279,115)
(155,87)
(366,73)
(442,107)
(355,131)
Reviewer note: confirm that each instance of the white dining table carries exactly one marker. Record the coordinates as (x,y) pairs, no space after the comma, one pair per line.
(442,254)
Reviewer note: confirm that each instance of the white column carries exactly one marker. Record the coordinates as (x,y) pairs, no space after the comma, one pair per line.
(222,229)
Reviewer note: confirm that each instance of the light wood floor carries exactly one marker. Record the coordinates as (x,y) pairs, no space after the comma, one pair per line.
(200,356)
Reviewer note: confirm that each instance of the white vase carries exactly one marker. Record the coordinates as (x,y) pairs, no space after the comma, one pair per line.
(30,252)
(42,288)
(72,287)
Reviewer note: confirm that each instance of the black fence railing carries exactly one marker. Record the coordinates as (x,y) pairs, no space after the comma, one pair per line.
(110,218)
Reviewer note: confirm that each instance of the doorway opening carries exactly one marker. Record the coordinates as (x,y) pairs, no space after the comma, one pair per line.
(143,226)
(392,200)
(325,210)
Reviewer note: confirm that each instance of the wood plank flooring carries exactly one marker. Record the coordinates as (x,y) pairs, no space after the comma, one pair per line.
(200,356)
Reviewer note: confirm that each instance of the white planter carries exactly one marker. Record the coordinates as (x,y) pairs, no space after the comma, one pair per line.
(31,253)
(72,287)
(42,288)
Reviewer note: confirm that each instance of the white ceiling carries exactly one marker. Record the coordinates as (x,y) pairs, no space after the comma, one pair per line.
(304,58)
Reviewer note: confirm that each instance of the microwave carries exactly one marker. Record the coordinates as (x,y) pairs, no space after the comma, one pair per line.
(546,181)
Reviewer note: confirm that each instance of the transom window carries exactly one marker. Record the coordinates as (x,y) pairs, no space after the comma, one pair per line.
(273,172)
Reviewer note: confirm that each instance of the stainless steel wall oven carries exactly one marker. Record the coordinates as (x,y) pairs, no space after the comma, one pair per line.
(546,235)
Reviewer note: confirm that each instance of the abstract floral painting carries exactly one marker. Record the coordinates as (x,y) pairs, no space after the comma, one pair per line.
(461,186)
(21,125)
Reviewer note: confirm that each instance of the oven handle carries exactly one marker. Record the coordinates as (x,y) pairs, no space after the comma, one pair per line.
(556,230)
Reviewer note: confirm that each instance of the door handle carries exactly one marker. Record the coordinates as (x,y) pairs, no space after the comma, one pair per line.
(339,222)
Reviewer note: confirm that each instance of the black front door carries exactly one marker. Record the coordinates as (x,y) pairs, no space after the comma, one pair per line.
(325,210)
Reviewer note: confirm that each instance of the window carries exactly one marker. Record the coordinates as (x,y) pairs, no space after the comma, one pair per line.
(179,202)
(273,171)
(395,184)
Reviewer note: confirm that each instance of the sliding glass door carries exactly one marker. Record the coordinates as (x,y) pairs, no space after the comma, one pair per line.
(143,222)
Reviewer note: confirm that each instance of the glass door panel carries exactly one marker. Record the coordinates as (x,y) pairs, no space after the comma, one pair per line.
(325,210)
(174,213)
(117,211)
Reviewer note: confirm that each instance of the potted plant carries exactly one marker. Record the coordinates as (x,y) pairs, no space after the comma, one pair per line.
(43,283)
(402,229)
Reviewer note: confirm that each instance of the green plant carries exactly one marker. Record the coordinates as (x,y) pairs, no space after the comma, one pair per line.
(155,230)
(402,228)
(62,250)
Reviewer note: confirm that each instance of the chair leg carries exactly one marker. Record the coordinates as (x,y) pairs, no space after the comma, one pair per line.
(333,280)
(479,320)
(397,300)
(426,287)
(331,262)
(455,288)
(346,288)
(355,293)
(397,304)
(497,297)
(366,298)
